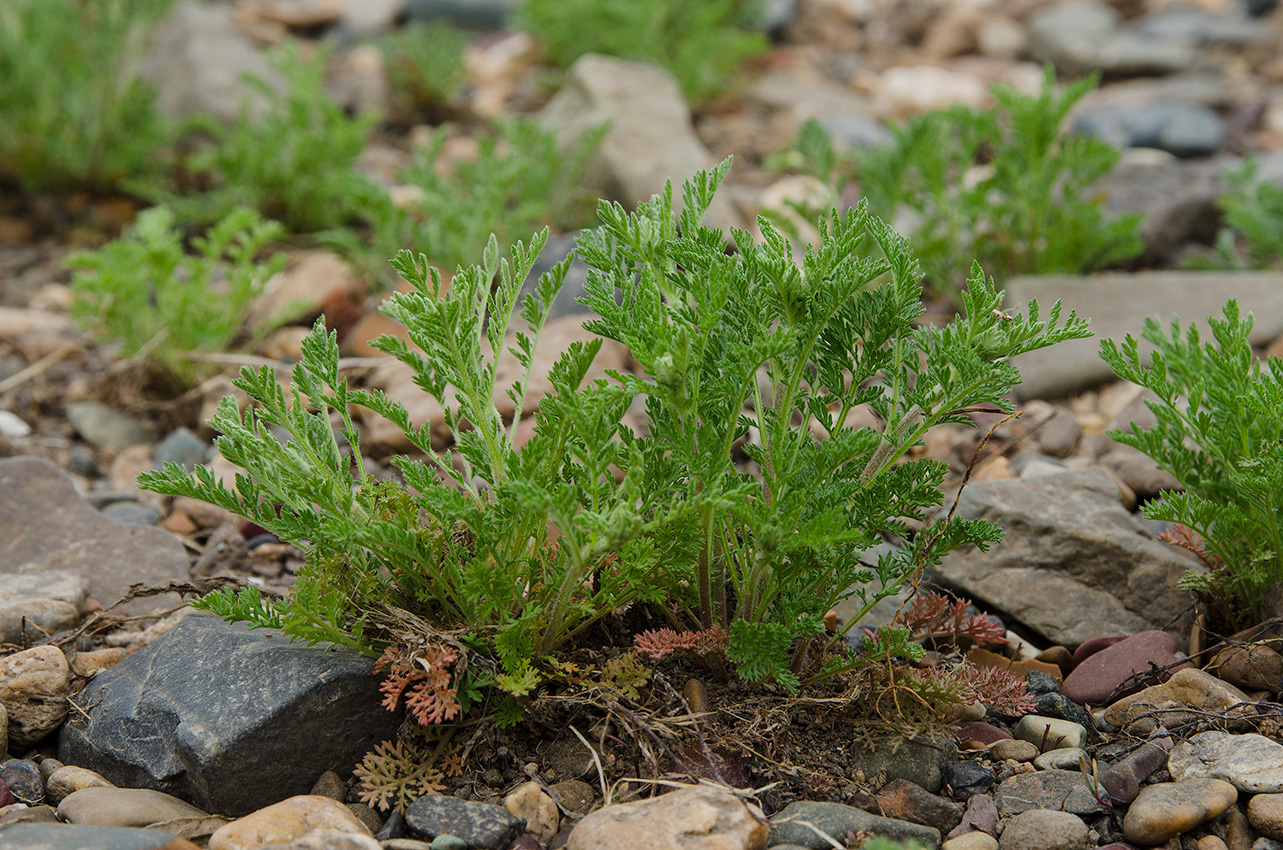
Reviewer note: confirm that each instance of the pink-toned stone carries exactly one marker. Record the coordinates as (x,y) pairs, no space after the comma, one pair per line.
(1091,646)
(288,820)
(1097,676)
(978,734)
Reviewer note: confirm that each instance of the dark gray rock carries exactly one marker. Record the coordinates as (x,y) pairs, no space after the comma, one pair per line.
(836,820)
(45,526)
(963,780)
(479,824)
(1062,790)
(226,718)
(1062,707)
(1182,129)
(65,836)
(567,303)
(485,15)
(1073,563)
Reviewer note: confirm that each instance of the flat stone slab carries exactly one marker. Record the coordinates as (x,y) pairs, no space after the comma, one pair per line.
(45,525)
(1117,304)
(65,836)
(227,718)
(1073,563)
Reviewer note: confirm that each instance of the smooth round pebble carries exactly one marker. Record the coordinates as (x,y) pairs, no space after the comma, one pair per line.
(24,780)
(286,821)
(1265,814)
(1044,829)
(34,686)
(974,840)
(1212,842)
(1013,750)
(125,807)
(68,779)
(1166,810)
(1065,758)
(448,842)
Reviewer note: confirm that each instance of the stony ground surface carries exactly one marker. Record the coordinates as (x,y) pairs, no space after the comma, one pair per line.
(207,735)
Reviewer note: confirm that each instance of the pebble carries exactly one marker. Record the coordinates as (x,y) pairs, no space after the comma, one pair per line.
(908,801)
(1046,789)
(1014,750)
(479,824)
(1252,763)
(979,815)
(1123,780)
(965,779)
(68,779)
(1182,129)
(106,427)
(287,821)
(1166,810)
(529,802)
(833,819)
(1265,814)
(1064,758)
(1050,733)
(1102,669)
(126,807)
(971,841)
(49,600)
(1189,694)
(1044,829)
(328,839)
(1256,667)
(23,780)
(61,836)
(34,686)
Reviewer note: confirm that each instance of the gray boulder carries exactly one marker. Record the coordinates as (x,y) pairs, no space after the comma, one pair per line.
(227,718)
(650,137)
(1073,563)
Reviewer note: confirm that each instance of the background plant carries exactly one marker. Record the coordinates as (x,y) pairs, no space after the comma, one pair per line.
(1219,417)
(700,43)
(425,69)
(294,163)
(523,550)
(148,292)
(1253,233)
(518,181)
(73,113)
(1004,186)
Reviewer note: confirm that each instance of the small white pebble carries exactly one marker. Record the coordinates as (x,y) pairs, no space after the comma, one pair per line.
(12,425)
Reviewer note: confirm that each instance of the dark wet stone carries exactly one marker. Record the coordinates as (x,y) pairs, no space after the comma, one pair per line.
(480,824)
(1039,682)
(837,820)
(227,718)
(967,778)
(1060,706)
(24,780)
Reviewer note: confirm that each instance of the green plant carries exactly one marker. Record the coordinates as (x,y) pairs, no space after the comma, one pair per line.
(146,291)
(294,163)
(700,43)
(518,181)
(73,112)
(523,550)
(1004,186)
(1253,232)
(425,69)
(1219,418)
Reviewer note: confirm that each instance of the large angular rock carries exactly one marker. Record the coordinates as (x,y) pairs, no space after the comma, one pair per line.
(650,137)
(798,823)
(44,526)
(1117,304)
(227,718)
(1073,563)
